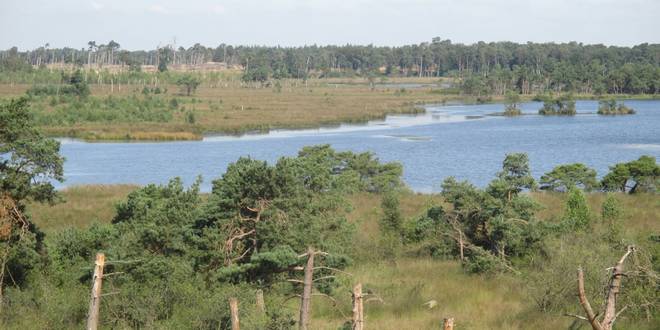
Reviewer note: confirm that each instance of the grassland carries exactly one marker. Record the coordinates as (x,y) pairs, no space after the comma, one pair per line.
(232,107)
(403,286)
(228,106)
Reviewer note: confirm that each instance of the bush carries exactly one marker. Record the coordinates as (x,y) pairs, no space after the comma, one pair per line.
(610,107)
(563,106)
(577,215)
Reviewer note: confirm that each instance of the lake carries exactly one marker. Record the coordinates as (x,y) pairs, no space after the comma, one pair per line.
(452,140)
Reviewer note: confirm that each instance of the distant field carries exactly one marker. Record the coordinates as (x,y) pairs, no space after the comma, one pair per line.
(232,108)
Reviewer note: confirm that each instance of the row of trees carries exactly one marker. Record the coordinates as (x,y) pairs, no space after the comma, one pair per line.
(486,68)
(492,227)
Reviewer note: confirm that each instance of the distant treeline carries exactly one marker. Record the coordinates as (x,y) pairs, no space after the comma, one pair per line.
(484,68)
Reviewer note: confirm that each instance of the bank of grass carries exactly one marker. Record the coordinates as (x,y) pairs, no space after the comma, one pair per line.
(230,108)
(401,287)
(81,206)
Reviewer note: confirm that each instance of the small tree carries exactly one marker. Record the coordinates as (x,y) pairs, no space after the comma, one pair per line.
(188,83)
(563,106)
(611,107)
(577,214)
(512,104)
(28,163)
(78,85)
(514,177)
(565,177)
(641,175)
(611,213)
(392,220)
(391,225)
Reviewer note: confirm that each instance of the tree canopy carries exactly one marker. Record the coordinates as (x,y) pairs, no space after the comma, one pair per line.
(565,177)
(482,67)
(28,161)
(638,175)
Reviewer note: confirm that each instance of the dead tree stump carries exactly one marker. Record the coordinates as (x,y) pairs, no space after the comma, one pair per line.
(95,300)
(448,324)
(261,306)
(358,309)
(306,300)
(233,310)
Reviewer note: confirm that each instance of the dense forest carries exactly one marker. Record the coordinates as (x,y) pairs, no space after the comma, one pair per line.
(483,68)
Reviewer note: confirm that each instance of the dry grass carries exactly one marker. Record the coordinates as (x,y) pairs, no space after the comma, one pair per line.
(235,109)
(641,211)
(476,302)
(83,205)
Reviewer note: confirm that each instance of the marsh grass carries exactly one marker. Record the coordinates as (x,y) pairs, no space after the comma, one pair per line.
(82,206)
(229,108)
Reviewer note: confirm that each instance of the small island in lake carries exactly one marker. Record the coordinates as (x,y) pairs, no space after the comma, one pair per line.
(512,108)
(611,108)
(561,106)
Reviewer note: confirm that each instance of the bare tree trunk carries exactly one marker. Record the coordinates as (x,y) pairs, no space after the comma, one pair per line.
(306,299)
(615,287)
(610,314)
(448,324)
(233,310)
(585,302)
(261,306)
(358,309)
(5,256)
(95,300)
(460,244)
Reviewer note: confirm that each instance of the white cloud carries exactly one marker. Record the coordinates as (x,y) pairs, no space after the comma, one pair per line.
(158,9)
(218,9)
(97,6)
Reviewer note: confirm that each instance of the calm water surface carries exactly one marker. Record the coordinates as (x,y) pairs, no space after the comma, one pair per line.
(458,140)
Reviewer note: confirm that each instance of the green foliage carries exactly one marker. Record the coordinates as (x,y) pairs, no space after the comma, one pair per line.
(514,177)
(177,252)
(109,109)
(641,175)
(75,86)
(565,177)
(252,199)
(28,160)
(28,163)
(190,117)
(512,105)
(562,106)
(551,279)
(610,107)
(188,83)
(612,214)
(484,68)
(498,223)
(277,87)
(161,243)
(429,234)
(577,215)
(392,220)
(391,226)
(14,63)
(165,55)
(259,73)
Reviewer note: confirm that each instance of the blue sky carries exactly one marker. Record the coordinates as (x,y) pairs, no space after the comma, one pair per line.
(144,24)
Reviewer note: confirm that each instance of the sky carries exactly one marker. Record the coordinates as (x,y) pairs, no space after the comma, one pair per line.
(146,24)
